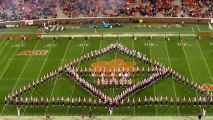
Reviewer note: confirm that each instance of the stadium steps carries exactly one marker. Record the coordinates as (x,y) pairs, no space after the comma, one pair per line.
(60,13)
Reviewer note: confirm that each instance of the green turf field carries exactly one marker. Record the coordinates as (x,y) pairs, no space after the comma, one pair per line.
(189,57)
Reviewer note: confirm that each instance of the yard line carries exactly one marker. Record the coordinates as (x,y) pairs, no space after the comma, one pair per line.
(75,82)
(9,63)
(198,28)
(193,30)
(205,61)
(133,47)
(20,75)
(189,68)
(40,73)
(150,52)
(173,80)
(3,46)
(56,80)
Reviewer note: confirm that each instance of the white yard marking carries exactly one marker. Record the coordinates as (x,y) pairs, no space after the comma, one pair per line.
(56,80)
(133,46)
(193,30)
(3,46)
(158,34)
(173,80)
(39,73)
(10,60)
(75,82)
(189,69)
(150,52)
(198,28)
(205,61)
(21,74)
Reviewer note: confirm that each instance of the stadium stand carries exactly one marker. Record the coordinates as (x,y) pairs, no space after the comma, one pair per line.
(36,9)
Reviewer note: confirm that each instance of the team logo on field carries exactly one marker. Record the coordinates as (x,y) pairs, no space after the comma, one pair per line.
(33,52)
(113,65)
(208,86)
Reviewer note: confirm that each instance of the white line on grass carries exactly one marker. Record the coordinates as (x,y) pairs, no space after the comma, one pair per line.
(74,81)
(204,57)
(198,28)
(40,72)
(9,63)
(172,80)
(56,79)
(153,84)
(3,46)
(133,47)
(205,61)
(21,74)
(193,30)
(189,67)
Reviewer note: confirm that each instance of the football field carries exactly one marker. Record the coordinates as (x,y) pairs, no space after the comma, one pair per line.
(190,57)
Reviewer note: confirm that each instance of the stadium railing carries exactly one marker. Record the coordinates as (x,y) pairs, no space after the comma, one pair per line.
(110,19)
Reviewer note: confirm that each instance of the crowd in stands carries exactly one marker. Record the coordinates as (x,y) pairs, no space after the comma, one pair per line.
(34,9)
(194,8)
(11,10)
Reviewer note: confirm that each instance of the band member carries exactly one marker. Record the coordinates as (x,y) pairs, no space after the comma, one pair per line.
(17,102)
(200,101)
(171,102)
(133,102)
(156,100)
(31,102)
(42,101)
(26,101)
(79,102)
(25,90)
(73,102)
(5,100)
(139,101)
(145,101)
(55,38)
(90,102)
(21,101)
(183,101)
(37,102)
(195,101)
(16,93)
(86,37)
(150,100)
(211,101)
(178,101)
(161,100)
(122,103)
(189,102)
(94,103)
(68,102)
(204,101)
(53,101)
(34,85)
(62,100)
(128,102)
(166,100)
(47,102)
(85,102)
(58,101)
(100,102)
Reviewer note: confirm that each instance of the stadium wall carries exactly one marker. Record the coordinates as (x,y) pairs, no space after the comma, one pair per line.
(110,19)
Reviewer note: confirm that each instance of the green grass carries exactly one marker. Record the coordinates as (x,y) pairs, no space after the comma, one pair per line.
(189,57)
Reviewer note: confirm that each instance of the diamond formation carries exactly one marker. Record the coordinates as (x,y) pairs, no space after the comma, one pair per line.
(161,71)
